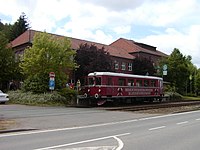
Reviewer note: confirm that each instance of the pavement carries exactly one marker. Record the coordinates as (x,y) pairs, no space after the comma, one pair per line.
(15,118)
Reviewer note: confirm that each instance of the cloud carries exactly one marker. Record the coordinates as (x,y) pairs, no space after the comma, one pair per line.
(12,10)
(174,23)
(186,42)
(116,5)
(122,29)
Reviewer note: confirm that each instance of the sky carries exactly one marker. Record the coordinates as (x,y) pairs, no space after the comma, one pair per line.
(165,24)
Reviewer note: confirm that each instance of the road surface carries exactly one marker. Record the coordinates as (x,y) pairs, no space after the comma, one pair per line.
(161,132)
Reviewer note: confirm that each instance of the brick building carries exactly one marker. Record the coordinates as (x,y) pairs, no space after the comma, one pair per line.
(122,51)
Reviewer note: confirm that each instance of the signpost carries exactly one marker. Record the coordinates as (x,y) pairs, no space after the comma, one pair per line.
(51,81)
(78,84)
(164,70)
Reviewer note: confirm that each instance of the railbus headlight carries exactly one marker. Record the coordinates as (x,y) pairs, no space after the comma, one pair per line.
(96,95)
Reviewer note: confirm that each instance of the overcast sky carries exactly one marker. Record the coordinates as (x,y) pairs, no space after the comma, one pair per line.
(165,24)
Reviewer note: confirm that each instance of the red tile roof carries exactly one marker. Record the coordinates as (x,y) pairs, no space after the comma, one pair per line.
(27,37)
(133,47)
(24,38)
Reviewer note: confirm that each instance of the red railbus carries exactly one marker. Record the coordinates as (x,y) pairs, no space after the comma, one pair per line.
(100,87)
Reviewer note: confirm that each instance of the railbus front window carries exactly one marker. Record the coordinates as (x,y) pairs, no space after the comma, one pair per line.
(98,80)
(90,81)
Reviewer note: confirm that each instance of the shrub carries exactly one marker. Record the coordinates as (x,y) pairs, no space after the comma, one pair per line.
(174,96)
(29,98)
(69,94)
(37,84)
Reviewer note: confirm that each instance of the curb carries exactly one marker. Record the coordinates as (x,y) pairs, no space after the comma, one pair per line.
(15,130)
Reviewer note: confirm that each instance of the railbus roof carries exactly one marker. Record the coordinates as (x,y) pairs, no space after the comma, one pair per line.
(122,75)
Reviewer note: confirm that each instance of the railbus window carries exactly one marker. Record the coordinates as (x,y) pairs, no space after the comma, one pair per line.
(153,83)
(138,82)
(98,80)
(146,83)
(122,82)
(90,81)
(130,82)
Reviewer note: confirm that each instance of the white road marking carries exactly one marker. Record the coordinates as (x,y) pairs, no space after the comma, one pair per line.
(91,148)
(198,119)
(95,125)
(87,141)
(182,123)
(169,115)
(156,128)
(65,129)
(120,143)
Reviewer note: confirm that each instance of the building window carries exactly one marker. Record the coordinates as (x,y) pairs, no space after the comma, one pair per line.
(116,66)
(123,66)
(130,66)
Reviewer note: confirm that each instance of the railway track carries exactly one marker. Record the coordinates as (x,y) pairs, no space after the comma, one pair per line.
(154,106)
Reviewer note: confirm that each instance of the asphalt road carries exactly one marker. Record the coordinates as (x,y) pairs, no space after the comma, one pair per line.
(99,129)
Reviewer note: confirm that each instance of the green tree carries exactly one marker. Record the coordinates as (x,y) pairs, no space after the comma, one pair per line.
(143,67)
(48,54)
(12,31)
(7,63)
(6,29)
(197,90)
(1,25)
(178,71)
(91,59)
(19,27)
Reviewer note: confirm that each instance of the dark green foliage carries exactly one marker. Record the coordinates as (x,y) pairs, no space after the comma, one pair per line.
(9,68)
(69,94)
(90,59)
(12,31)
(38,83)
(7,63)
(179,70)
(20,26)
(143,66)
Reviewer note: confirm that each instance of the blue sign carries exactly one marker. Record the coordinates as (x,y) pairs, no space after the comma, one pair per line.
(51,84)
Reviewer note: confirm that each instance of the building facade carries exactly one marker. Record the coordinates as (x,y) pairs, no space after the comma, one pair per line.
(122,51)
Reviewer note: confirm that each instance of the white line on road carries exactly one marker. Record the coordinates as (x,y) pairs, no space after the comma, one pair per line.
(120,143)
(198,119)
(184,122)
(95,125)
(169,115)
(87,141)
(156,128)
(65,129)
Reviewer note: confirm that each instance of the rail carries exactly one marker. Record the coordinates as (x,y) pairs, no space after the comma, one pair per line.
(154,106)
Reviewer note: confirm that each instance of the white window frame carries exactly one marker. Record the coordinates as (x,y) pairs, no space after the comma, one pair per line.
(130,66)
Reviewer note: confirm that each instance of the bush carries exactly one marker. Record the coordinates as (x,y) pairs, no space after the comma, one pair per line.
(173,96)
(69,94)
(36,83)
(28,98)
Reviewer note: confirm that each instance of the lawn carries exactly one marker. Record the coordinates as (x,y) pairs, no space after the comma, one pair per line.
(191,98)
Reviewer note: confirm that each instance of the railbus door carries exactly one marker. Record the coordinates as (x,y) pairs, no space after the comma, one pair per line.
(109,87)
